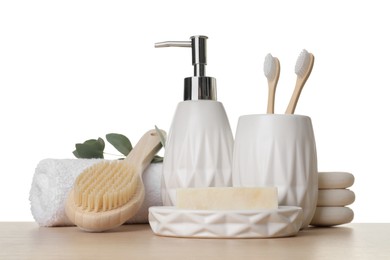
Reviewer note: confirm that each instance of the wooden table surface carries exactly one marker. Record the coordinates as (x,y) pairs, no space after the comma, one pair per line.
(26,240)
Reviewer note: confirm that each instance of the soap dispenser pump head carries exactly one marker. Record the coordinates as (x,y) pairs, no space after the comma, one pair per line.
(198,87)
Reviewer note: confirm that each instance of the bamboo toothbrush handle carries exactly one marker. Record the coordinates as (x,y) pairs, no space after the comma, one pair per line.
(294,98)
(271,98)
(144,151)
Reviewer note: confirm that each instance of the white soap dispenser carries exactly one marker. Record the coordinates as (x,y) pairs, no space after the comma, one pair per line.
(199,147)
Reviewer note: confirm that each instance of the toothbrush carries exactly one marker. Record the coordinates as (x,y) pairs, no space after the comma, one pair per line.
(303,69)
(272,72)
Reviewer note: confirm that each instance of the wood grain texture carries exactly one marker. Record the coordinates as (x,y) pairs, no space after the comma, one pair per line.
(21,240)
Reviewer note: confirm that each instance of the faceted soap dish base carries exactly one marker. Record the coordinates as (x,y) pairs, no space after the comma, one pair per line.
(170,221)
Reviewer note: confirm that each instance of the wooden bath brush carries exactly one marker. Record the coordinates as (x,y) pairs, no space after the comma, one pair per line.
(107,194)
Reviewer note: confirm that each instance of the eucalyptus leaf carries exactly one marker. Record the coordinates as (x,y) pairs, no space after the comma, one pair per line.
(161,135)
(102,144)
(75,153)
(90,149)
(120,142)
(99,143)
(157,159)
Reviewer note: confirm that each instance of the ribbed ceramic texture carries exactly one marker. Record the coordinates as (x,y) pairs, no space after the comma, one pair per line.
(199,149)
(278,150)
(169,221)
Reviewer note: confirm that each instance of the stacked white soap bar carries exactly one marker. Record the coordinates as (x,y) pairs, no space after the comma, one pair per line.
(333,197)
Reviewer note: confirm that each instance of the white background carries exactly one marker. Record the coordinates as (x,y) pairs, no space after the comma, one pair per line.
(75,70)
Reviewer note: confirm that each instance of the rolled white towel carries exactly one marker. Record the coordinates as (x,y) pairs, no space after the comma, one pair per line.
(53,179)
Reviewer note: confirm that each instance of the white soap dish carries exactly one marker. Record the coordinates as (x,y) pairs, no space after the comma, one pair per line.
(170,221)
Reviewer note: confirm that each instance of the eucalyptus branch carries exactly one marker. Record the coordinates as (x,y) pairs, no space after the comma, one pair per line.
(94,148)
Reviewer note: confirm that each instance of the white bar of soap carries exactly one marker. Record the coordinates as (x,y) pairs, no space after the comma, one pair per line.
(335,197)
(227,198)
(335,180)
(331,216)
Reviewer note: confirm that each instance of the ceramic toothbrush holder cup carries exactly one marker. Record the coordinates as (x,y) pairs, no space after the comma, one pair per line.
(278,150)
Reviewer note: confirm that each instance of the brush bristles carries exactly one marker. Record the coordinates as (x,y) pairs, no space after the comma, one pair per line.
(302,64)
(269,66)
(105,186)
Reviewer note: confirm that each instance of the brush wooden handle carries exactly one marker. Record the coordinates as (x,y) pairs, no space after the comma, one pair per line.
(144,151)
(272,88)
(298,87)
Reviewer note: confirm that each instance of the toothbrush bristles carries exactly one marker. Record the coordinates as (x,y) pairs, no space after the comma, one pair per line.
(302,64)
(269,66)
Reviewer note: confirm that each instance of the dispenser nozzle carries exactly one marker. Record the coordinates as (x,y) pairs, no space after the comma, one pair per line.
(199,86)
(173,44)
(199,48)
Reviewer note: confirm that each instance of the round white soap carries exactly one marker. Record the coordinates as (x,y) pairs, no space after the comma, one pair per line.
(335,180)
(335,197)
(331,216)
